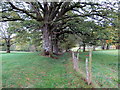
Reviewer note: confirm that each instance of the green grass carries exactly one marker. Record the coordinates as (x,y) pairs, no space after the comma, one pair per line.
(34,71)
(31,70)
(104,68)
(0,71)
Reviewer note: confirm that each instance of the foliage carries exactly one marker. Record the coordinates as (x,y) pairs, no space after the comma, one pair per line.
(27,34)
(54,15)
(68,42)
(86,31)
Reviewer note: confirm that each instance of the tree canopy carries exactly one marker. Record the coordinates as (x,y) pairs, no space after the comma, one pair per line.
(56,19)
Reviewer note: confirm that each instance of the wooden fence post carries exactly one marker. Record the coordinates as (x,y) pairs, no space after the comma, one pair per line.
(73,58)
(90,66)
(75,61)
(87,71)
(77,55)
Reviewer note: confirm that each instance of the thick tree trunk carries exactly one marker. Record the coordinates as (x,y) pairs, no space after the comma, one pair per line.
(107,47)
(118,47)
(8,49)
(8,46)
(103,47)
(55,47)
(94,48)
(47,41)
(36,48)
(84,47)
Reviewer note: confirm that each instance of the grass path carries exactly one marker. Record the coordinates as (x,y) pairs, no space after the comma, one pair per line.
(29,70)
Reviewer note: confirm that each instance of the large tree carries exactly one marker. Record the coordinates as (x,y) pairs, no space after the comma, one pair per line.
(51,14)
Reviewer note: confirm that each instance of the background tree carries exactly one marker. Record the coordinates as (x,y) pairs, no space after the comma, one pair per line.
(7,34)
(29,34)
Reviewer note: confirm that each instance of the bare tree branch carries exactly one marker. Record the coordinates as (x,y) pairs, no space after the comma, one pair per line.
(24,11)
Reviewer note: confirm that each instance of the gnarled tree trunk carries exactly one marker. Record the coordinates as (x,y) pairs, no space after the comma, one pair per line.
(107,47)
(103,47)
(118,47)
(55,46)
(84,47)
(8,46)
(8,49)
(94,48)
(47,41)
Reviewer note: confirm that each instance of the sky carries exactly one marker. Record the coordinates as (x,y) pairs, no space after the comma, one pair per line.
(60,0)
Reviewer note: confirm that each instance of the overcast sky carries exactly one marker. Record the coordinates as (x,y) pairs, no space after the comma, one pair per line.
(60,0)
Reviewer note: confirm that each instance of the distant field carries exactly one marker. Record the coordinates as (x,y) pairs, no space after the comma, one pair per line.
(30,70)
(96,48)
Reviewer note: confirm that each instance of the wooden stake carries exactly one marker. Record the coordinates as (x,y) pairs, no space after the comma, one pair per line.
(87,71)
(75,61)
(73,57)
(90,66)
(77,55)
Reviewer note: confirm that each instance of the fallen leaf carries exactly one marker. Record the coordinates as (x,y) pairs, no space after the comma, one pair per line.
(28,78)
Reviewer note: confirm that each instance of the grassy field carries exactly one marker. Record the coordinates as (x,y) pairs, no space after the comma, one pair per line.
(104,68)
(31,70)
